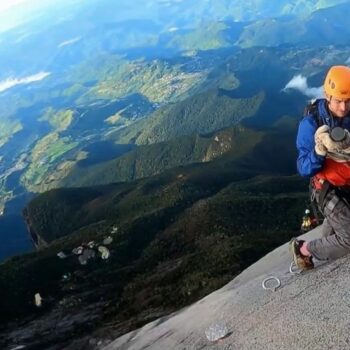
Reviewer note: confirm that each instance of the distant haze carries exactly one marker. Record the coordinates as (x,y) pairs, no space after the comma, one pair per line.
(4,5)
(16,12)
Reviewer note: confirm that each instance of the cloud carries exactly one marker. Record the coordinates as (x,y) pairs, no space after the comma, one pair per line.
(69,42)
(173,29)
(299,83)
(11,82)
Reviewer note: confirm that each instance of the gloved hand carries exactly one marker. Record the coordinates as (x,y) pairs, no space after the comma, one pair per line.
(321,136)
(345,144)
(324,142)
(343,153)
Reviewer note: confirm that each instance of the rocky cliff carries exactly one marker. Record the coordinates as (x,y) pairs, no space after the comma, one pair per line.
(308,311)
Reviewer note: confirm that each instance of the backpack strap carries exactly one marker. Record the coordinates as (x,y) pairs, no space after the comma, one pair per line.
(312,109)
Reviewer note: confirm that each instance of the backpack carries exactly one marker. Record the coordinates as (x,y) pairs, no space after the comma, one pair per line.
(311,109)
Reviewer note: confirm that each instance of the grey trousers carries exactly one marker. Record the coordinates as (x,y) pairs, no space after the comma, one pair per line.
(336,231)
(327,229)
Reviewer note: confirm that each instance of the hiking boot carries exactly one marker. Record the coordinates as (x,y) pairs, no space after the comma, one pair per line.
(301,261)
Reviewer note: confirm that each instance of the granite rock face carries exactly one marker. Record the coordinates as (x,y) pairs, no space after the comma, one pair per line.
(308,311)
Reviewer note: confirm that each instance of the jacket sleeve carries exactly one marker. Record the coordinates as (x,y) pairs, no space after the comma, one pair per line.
(308,163)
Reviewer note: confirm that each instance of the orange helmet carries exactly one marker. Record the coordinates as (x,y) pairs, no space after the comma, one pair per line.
(337,82)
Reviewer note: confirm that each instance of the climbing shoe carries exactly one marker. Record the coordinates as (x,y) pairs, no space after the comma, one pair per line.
(301,261)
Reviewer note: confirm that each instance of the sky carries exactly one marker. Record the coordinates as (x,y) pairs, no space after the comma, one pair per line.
(13,7)
(15,12)
(12,13)
(4,4)
(21,4)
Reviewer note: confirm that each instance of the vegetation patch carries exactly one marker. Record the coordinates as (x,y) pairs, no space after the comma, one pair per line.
(45,152)
(59,120)
(8,128)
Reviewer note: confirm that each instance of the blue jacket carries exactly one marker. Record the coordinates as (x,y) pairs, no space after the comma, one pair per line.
(309,163)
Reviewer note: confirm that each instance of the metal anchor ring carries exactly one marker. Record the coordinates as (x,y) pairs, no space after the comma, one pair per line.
(270,279)
(294,272)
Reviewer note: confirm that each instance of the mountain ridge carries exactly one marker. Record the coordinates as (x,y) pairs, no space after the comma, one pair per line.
(174,230)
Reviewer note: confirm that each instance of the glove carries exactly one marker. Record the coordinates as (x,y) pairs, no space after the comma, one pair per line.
(343,154)
(320,136)
(324,142)
(345,144)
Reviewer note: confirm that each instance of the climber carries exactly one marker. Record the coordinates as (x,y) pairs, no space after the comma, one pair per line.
(323,143)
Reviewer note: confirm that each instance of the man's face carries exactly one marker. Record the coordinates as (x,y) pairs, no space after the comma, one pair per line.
(339,108)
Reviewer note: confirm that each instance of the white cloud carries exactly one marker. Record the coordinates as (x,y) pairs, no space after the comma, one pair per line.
(173,29)
(69,42)
(299,83)
(11,82)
